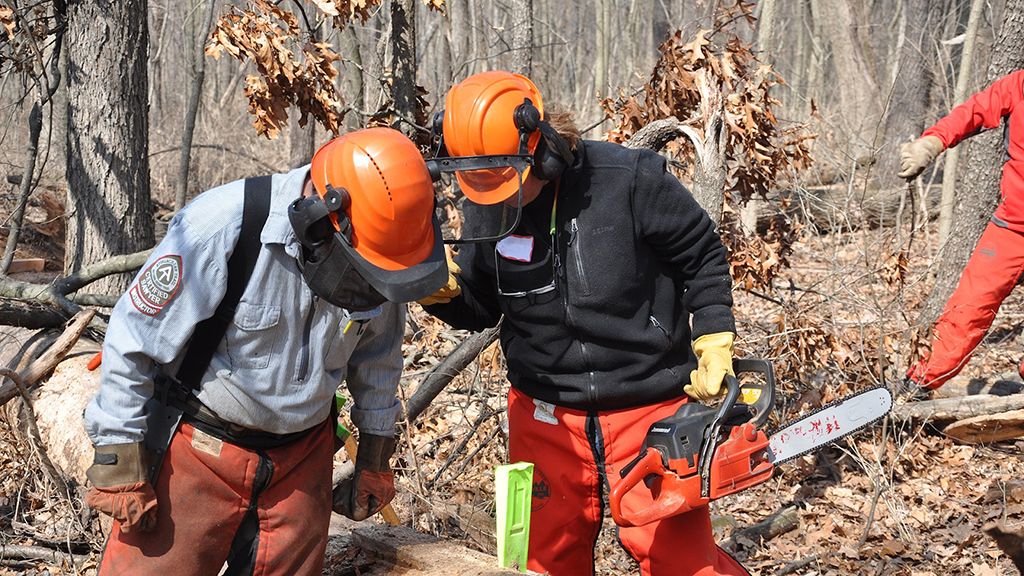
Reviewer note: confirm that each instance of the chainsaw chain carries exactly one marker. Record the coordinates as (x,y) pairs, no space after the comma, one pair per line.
(826,407)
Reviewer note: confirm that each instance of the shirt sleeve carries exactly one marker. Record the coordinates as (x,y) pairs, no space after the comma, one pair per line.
(181,284)
(374,370)
(684,239)
(983,110)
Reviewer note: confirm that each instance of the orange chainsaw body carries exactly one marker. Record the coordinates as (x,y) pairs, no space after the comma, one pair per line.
(698,455)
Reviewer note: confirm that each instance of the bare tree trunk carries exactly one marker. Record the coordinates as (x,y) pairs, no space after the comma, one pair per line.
(35,126)
(912,83)
(858,93)
(603,39)
(403,66)
(980,182)
(353,77)
(960,93)
(522,37)
(765,44)
(196,77)
(108,134)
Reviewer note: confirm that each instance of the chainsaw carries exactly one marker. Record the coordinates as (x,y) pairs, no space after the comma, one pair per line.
(702,453)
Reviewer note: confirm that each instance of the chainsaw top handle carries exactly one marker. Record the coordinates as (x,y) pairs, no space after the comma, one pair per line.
(763,392)
(756,413)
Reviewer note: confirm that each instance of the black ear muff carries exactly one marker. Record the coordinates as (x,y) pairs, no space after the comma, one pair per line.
(437,134)
(526,117)
(552,156)
(337,199)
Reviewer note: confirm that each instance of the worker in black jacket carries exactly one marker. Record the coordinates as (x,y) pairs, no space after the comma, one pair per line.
(616,294)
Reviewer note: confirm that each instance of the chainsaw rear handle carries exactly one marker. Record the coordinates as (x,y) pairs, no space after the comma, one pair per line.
(670,492)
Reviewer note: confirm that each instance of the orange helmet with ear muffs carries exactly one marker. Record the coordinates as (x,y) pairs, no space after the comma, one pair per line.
(480,116)
(380,199)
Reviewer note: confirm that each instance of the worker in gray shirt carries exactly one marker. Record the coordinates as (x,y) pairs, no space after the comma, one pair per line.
(246,477)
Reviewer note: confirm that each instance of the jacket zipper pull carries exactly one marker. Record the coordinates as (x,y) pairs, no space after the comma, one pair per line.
(573,230)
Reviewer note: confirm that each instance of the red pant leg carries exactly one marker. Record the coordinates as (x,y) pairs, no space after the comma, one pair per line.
(989,277)
(203,493)
(682,545)
(295,510)
(566,511)
(199,508)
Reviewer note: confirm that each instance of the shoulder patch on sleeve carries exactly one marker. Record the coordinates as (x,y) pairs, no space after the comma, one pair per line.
(157,286)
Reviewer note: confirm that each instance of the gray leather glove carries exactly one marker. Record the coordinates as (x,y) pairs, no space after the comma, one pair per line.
(372,486)
(120,488)
(917,155)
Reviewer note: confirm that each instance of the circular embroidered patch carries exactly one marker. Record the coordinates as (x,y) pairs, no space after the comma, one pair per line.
(157,286)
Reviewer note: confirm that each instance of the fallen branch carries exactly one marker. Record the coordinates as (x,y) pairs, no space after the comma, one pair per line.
(46,305)
(987,428)
(449,368)
(775,525)
(954,409)
(37,553)
(49,359)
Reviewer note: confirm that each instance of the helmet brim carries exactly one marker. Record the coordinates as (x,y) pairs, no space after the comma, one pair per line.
(405,284)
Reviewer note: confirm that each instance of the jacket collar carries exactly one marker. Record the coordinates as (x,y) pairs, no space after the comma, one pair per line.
(286,188)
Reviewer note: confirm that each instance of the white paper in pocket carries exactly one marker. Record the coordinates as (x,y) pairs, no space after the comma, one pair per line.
(518,248)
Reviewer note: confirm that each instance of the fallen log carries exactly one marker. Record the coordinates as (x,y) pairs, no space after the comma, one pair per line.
(49,359)
(410,552)
(945,410)
(987,428)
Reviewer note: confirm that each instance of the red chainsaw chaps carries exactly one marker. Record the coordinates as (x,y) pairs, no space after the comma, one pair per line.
(989,277)
(203,493)
(569,453)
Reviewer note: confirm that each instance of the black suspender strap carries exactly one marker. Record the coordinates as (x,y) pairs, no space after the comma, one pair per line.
(207,334)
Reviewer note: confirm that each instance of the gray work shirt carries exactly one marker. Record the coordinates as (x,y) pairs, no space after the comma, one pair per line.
(284,355)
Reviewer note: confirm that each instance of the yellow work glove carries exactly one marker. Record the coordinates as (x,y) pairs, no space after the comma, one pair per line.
(450,290)
(714,361)
(917,155)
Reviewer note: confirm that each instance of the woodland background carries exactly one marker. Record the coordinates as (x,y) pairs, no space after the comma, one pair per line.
(784,118)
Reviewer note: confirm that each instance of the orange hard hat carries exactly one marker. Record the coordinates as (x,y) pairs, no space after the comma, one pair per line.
(479,119)
(393,234)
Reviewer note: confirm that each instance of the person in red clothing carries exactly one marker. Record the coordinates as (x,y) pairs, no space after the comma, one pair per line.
(998,259)
(617,305)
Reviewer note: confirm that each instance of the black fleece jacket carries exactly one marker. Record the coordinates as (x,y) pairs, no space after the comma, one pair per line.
(636,260)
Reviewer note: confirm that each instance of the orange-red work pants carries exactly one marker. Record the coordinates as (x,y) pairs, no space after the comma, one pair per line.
(989,277)
(267,510)
(575,455)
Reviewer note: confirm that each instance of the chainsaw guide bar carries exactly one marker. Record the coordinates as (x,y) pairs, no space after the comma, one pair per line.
(829,424)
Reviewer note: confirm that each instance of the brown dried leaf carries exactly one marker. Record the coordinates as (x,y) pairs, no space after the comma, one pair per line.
(7,21)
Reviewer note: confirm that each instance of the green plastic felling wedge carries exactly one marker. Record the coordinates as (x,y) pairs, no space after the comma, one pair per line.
(513,490)
(339,429)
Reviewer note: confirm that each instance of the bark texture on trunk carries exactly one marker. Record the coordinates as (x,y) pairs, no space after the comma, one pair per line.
(979,184)
(858,92)
(403,66)
(522,37)
(911,83)
(107,148)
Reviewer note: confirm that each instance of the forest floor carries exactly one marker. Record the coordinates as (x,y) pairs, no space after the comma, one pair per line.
(891,500)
